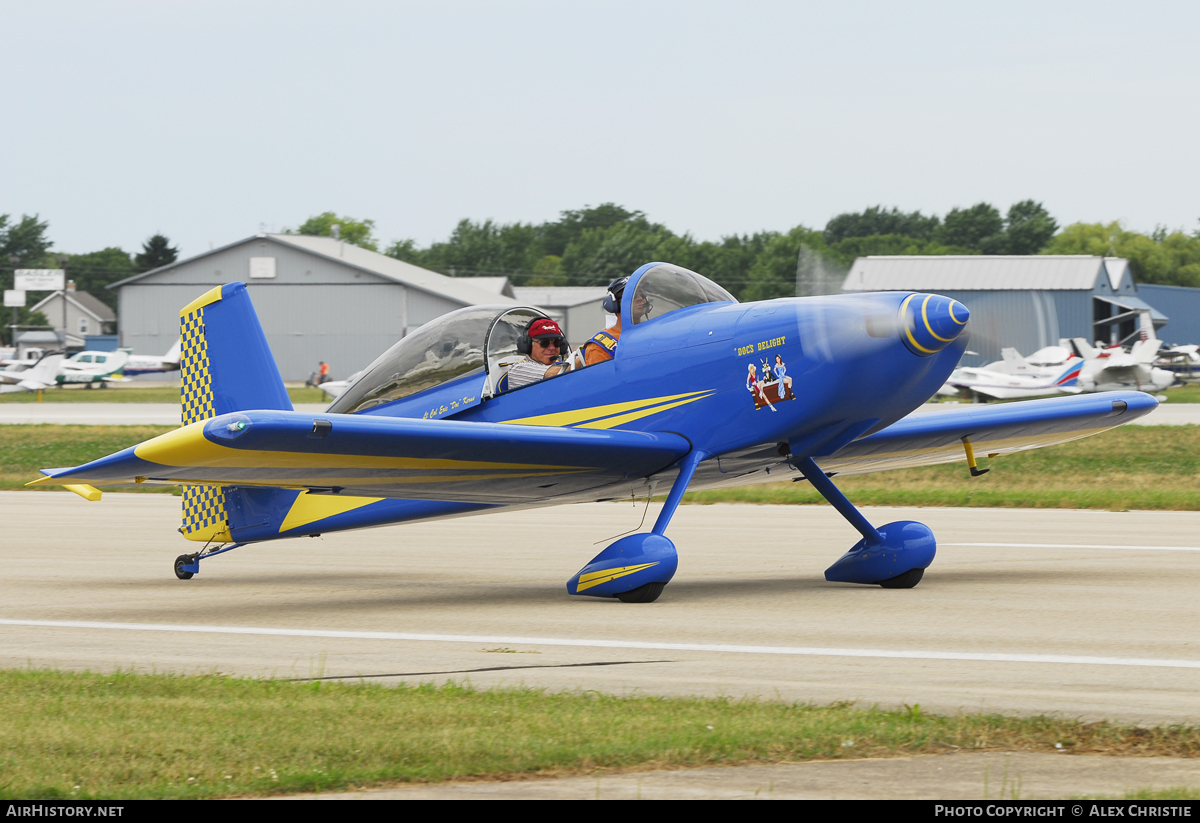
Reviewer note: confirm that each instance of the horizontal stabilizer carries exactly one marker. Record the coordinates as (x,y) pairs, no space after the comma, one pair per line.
(368,455)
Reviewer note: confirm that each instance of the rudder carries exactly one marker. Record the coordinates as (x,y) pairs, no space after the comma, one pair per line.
(226,366)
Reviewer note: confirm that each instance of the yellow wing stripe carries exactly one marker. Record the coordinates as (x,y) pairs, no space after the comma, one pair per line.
(189,447)
(621,419)
(309,508)
(575,416)
(287,482)
(587,581)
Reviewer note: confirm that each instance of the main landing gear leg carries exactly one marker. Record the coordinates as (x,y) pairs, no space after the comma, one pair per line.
(636,568)
(188,565)
(894,556)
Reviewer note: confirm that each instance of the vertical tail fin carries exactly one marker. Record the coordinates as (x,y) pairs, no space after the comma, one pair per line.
(227,366)
(1083,348)
(1070,375)
(172,355)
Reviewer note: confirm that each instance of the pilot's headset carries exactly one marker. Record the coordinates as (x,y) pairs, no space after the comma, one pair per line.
(612,300)
(525,342)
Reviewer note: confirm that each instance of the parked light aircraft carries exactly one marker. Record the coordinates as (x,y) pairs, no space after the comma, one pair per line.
(93,368)
(333,388)
(42,375)
(703,392)
(148,364)
(1114,369)
(28,358)
(1052,370)
(1181,361)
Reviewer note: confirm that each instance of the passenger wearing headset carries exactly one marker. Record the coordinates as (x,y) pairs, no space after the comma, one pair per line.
(603,345)
(543,344)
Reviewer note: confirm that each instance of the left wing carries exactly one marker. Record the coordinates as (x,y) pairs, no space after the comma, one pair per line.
(368,455)
(927,438)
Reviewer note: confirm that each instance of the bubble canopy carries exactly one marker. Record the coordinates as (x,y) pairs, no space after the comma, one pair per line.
(456,345)
(445,349)
(663,288)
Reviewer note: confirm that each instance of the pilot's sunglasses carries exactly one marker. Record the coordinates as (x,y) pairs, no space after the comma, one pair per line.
(547,342)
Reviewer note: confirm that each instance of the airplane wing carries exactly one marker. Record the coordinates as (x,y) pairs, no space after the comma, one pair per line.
(928,438)
(366,455)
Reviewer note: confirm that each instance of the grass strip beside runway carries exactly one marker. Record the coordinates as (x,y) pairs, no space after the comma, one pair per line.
(1134,467)
(160,736)
(26,449)
(137,393)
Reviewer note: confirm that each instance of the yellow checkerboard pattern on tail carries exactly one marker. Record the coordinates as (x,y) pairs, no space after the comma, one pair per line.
(203,506)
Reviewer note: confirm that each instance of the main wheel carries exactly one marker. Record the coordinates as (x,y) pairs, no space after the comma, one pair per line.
(180,562)
(904,581)
(643,594)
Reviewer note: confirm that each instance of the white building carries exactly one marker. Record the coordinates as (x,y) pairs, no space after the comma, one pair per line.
(318,299)
(85,315)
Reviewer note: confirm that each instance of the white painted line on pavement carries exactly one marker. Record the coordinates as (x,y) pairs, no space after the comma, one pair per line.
(802,651)
(1078,546)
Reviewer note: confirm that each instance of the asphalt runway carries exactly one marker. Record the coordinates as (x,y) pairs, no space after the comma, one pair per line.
(167,414)
(1082,614)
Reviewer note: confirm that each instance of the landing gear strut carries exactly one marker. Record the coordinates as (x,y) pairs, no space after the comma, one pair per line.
(187,566)
(893,556)
(636,568)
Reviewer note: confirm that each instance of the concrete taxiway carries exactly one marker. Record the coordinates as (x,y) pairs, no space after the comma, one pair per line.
(1076,613)
(105,414)
(968,776)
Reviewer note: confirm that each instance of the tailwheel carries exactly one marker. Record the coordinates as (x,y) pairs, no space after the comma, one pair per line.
(904,581)
(180,562)
(643,594)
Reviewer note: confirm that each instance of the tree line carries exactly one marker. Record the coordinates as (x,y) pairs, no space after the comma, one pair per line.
(25,244)
(594,245)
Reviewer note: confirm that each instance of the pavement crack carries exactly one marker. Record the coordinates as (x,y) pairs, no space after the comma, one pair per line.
(472,671)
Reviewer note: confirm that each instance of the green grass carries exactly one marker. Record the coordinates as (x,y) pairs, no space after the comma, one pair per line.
(1133,467)
(138,393)
(1189,393)
(158,736)
(25,449)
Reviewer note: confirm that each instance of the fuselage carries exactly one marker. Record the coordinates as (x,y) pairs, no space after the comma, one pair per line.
(708,372)
(750,388)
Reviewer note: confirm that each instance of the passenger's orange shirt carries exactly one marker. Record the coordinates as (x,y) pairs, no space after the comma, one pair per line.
(602,346)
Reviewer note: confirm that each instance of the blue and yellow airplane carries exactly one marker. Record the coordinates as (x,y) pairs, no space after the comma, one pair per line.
(703,392)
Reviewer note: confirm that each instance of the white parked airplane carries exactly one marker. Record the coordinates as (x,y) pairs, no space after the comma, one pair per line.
(1051,370)
(1114,368)
(148,364)
(42,375)
(1062,370)
(333,388)
(88,367)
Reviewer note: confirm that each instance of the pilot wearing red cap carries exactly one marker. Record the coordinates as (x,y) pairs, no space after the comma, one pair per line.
(543,344)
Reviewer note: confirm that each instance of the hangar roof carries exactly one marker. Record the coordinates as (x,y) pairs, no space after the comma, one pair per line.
(983,272)
(559,295)
(83,301)
(460,289)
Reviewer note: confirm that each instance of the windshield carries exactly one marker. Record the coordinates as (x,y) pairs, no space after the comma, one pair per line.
(666,288)
(443,349)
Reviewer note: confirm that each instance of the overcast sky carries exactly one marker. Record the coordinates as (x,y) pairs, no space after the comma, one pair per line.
(210,121)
